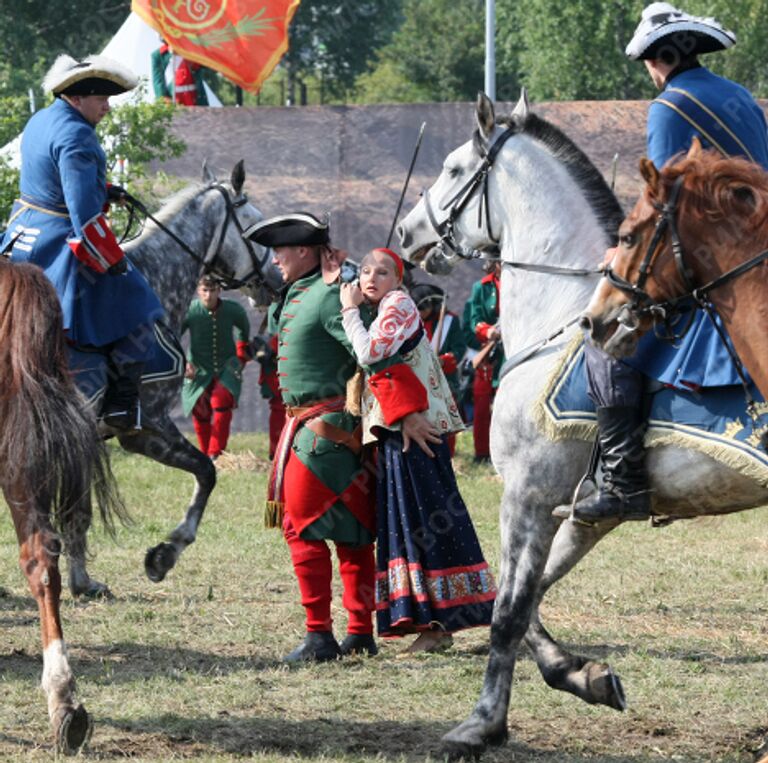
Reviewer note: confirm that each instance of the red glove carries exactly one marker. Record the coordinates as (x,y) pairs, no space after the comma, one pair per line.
(481,331)
(243,351)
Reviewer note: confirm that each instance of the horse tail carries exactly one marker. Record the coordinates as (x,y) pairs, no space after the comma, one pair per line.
(50,450)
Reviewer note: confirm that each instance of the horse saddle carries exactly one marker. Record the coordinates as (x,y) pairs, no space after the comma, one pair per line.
(89,367)
(712,420)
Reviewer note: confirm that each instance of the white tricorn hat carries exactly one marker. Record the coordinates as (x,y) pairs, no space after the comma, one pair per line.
(95,75)
(668,33)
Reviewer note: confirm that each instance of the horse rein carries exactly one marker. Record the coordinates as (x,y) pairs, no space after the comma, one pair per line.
(208,261)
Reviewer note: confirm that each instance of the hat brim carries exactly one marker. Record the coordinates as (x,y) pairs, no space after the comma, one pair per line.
(682,38)
(289,230)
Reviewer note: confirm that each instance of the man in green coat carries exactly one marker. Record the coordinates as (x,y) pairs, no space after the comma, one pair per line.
(483,334)
(323,486)
(218,350)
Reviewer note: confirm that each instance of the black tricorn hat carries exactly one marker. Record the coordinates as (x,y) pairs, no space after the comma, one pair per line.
(299,229)
(426,295)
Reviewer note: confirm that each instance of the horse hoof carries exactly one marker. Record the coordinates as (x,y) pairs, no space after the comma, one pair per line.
(606,687)
(158,561)
(466,742)
(95,590)
(74,731)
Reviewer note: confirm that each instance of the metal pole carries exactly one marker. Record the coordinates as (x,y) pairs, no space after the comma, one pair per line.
(490,49)
(405,185)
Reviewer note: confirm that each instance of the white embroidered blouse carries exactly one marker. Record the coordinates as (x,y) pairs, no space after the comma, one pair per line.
(397,321)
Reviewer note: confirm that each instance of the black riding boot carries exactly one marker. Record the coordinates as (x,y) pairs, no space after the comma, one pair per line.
(624,494)
(120,409)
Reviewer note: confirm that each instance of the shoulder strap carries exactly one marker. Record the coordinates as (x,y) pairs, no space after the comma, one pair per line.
(704,121)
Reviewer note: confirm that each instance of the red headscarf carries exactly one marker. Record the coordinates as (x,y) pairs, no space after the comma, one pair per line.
(395,258)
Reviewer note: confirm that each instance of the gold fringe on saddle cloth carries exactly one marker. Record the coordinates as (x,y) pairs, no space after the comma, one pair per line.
(557,425)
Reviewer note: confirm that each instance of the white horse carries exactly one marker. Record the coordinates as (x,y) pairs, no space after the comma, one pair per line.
(522,189)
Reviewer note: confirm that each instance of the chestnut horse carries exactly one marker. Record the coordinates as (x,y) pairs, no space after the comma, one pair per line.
(714,211)
(50,457)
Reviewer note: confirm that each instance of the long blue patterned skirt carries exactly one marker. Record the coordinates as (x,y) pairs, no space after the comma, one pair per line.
(430,570)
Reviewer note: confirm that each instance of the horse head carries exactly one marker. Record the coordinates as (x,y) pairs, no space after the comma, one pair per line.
(235,260)
(454,219)
(685,230)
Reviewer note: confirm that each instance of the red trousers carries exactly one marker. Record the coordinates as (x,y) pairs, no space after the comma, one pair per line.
(483,393)
(312,565)
(212,416)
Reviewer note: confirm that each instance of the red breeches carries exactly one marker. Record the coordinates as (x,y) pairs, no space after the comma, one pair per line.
(212,417)
(482,393)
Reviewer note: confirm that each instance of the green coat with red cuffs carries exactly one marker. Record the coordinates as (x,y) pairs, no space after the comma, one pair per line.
(329,491)
(218,342)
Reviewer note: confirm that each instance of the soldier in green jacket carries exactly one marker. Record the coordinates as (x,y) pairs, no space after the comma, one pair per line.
(483,334)
(218,350)
(323,486)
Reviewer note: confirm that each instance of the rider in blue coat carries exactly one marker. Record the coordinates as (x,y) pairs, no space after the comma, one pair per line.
(59,224)
(723,114)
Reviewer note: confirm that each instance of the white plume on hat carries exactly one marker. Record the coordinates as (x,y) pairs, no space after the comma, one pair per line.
(662,20)
(66,71)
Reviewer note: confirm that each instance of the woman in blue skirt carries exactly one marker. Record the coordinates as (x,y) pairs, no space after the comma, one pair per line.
(432,578)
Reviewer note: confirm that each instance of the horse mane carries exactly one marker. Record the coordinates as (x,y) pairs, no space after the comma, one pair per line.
(598,195)
(721,188)
(177,201)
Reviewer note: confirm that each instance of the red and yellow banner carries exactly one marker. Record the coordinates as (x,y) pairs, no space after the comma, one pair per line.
(242,39)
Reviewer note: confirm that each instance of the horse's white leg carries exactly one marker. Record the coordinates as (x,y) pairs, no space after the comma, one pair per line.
(168,446)
(593,682)
(527,530)
(39,550)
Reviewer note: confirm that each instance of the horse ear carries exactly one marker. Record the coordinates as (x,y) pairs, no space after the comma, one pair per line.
(743,194)
(695,149)
(484,114)
(238,177)
(522,108)
(650,174)
(208,176)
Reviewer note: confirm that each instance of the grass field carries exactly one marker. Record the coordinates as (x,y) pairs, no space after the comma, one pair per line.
(190,668)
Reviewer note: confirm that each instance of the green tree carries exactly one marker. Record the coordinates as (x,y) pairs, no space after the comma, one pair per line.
(575,50)
(438,54)
(334,41)
(34,32)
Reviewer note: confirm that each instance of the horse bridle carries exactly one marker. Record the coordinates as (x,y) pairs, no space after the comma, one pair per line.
(208,261)
(456,204)
(641,301)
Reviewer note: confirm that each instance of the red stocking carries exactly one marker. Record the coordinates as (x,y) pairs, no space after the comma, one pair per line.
(358,574)
(312,565)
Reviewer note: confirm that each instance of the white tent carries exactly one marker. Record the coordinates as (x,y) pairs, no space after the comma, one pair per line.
(132,46)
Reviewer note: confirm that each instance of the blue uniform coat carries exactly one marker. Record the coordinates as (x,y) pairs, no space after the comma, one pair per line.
(63,187)
(700,359)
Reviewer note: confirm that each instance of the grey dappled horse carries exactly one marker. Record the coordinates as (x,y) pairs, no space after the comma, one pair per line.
(203,227)
(541,203)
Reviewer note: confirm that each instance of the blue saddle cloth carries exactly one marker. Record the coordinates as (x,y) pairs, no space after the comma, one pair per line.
(711,420)
(166,362)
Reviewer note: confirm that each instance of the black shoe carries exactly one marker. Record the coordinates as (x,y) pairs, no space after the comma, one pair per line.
(318,646)
(120,409)
(359,643)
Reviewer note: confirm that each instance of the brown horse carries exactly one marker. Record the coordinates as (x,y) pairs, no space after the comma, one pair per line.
(715,212)
(50,458)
